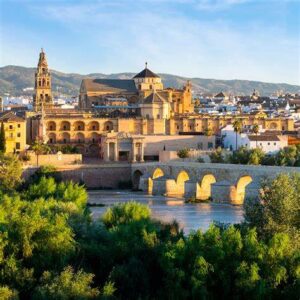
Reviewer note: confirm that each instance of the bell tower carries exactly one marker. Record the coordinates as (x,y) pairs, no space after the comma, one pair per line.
(43,96)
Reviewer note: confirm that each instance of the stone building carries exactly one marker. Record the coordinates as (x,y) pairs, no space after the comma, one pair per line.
(135,108)
(43,94)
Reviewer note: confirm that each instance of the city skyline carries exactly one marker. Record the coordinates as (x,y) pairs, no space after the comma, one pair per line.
(205,39)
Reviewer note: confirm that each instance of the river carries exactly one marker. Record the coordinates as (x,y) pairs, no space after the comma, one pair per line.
(189,216)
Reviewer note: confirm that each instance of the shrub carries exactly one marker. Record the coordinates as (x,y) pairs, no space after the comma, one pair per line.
(183,153)
(124,213)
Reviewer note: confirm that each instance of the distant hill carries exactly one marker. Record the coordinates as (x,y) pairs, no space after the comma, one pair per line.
(13,79)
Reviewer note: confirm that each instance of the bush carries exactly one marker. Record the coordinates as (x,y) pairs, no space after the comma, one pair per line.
(25,157)
(67,285)
(200,160)
(183,153)
(10,172)
(45,171)
(125,213)
(217,156)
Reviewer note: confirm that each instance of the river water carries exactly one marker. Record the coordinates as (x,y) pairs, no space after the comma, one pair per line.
(189,216)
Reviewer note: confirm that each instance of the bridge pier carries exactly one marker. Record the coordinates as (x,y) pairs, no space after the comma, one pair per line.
(220,191)
(190,189)
(145,184)
(159,186)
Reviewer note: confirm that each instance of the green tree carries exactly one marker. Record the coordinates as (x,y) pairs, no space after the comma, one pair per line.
(255,130)
(39,148)
(278,207)
(8,294)
(10,172)
(183,153)
(237,126)
(124,213)
(287,156)
(2,139)
(240,156)
(217,156)
(68,285)
(256,156)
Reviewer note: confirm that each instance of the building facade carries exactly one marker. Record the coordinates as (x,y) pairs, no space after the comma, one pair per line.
(15,132)
(110,109)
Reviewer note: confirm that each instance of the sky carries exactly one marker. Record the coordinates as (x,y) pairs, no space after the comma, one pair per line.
(221,39)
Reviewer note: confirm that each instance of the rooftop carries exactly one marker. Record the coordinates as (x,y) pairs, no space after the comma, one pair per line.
(110,85)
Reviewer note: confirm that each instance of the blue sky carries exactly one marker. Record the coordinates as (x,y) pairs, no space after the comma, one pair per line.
(222,39)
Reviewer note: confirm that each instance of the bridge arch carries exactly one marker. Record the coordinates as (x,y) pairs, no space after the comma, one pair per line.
(238,192)
(182,177)
(158,172)
(136,179)
(204,187)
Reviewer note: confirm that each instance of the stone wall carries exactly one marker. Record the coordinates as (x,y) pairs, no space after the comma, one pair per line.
(153,144)
(58,159)
(94,176)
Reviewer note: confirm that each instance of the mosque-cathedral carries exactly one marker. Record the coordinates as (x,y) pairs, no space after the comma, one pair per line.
(116,115)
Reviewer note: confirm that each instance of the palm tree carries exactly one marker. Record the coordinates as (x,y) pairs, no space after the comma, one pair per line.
(40,148)
(255,129)
(237,125)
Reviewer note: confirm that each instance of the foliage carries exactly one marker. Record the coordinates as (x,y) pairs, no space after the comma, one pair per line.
(200,160)
(255,156)
(39,148)
(25,157)
(2,139)
(217,156)
(10,172)
(247,156)
(183,153)
(67,285)
(124,213)
(288,156)
(50,249)
(45,171)
(7,294)
(237,126)
(278,207)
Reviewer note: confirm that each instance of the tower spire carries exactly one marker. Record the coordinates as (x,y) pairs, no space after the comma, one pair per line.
(43,95)
(146,65)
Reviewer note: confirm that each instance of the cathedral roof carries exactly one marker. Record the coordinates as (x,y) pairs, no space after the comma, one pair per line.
(154,98)
(109,85)
(146,73)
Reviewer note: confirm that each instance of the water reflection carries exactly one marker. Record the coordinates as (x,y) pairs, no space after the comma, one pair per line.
(189,216)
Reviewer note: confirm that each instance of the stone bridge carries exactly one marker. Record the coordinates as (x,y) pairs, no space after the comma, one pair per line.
(204,181)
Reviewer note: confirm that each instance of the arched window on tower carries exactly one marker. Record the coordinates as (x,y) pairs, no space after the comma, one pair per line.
(44,82)
(40,83)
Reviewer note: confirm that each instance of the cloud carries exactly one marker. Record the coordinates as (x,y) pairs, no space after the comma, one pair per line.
(116,36)
(213,5)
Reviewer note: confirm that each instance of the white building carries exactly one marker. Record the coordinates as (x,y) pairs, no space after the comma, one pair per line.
(268,142)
